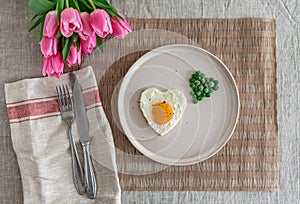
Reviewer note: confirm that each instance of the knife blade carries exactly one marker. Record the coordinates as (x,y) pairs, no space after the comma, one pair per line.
(80,113)
(84,137)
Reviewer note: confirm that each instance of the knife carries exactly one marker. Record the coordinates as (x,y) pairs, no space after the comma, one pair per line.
(84,137)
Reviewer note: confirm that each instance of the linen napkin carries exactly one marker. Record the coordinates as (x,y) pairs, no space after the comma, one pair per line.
(40,141)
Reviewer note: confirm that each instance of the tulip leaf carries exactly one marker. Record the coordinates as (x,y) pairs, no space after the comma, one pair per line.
(34,17)
(66,48)
(40,7)
(114,13)
(60,7)
(75,2)
(83,8)
(38,22)
(99,43)
(42,26)
(77,46)
(75,38)
(102,5)
(86,5)
(58,34)
(104,2)
(72,5)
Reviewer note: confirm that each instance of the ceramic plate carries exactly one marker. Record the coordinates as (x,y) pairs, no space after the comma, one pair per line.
(204,128)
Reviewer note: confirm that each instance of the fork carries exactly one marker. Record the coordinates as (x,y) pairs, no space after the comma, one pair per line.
(67,113)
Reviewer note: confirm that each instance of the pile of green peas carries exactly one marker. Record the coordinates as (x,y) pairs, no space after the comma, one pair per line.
(202,86)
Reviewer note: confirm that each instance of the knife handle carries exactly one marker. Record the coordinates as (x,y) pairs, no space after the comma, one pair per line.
(90,179)
(76,166)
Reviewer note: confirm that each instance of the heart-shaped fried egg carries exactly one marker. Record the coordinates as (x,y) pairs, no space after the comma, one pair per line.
(163,110)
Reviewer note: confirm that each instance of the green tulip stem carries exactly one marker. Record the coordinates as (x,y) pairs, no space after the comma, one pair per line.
(86,4)
(67,3)
(76,5)
(92,4)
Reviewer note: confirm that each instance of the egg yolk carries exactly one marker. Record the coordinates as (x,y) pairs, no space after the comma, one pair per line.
(162,113)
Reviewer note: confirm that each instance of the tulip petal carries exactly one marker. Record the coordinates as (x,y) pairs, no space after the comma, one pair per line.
(120,27)
(70,22)
(100,22)
(87,46)
(45,66)
(87,28)
(46,46)
(53,65)
(74,57)
(50,25)
(124,23)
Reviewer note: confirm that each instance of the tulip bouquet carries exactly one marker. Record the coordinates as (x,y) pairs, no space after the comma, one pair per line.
(72,28)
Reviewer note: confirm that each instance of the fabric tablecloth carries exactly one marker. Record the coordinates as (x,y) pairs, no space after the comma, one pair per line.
(21,58)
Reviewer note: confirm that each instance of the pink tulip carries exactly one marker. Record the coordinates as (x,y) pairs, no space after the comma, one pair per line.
(50,25)
(87,46)
(87,28)
(74,57)
(100,21)
(70,22)
(49,46)
(120,27)
(53,65)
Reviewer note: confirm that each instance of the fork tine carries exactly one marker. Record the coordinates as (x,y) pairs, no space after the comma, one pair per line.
(63,94)
(58,96)
(69,97)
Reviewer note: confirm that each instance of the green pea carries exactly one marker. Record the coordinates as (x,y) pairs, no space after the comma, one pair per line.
(216,82)
(215,87)
(203,75)
(203,95)
(208,94)
(210,91)
(203,80)
(195,100)
(198,93)
(197,83)
(192,80)
(198,72)
(194,76)
(200,88)
(200,98)
(206,90)
(211,84)
(192,85)
(195,89)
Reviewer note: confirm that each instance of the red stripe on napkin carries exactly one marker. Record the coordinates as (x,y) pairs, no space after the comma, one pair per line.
(91,97)
(32,109)
(41,108)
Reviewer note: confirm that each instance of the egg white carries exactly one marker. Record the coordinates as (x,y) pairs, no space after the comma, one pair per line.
(174,98)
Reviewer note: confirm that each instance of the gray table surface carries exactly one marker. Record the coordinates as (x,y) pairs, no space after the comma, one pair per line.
(20,58)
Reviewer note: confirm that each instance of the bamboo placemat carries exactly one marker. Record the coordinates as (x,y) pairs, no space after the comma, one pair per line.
(249,161)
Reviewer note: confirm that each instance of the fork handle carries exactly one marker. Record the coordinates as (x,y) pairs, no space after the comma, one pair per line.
(90,179)
(76,166)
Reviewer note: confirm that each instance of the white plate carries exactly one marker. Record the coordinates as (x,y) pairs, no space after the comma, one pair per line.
(205,127)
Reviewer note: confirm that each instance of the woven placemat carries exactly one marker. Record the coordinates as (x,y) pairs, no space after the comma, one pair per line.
(249,161)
